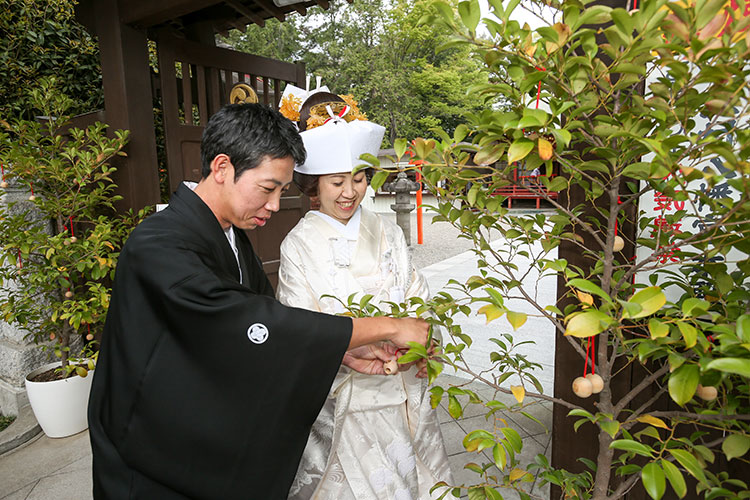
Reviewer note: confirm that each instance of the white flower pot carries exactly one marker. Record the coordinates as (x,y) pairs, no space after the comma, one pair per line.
(60,406)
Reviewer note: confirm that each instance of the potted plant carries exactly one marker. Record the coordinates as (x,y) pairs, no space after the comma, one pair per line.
(60,241)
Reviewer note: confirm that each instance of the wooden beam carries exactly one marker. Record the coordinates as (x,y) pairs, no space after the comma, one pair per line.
(240,25)
(323,3)
(196,53)
(271,9)
(150,13)
(245,11)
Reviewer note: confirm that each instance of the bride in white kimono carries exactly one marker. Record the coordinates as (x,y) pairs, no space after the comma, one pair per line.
(377,437)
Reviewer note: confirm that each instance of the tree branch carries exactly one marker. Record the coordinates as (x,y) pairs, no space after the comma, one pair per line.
(638,388)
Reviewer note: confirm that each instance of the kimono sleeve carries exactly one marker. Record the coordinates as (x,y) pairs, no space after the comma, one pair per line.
(293,288)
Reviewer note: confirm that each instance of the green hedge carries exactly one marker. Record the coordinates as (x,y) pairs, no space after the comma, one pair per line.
(41,38)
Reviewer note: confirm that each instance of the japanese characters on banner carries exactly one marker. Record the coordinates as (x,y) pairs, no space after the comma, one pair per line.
(662,215)
(668,216)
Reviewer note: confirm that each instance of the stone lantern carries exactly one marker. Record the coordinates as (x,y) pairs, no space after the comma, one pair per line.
(402,187)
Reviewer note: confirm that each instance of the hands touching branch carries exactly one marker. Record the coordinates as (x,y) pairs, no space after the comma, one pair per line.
(369,357)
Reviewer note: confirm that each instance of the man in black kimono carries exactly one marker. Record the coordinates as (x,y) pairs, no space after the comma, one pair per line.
(206,386)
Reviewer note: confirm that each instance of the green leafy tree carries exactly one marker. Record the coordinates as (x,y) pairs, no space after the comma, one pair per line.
(278,40)
(40,38)
(59,248)
(622,93)
(380,53)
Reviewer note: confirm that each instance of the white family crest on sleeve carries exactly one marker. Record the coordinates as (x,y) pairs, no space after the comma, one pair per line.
(257,333)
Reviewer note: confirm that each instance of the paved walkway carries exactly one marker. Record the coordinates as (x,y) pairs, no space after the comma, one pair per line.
(60,469)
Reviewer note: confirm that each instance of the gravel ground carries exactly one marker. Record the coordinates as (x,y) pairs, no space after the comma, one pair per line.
(441,239)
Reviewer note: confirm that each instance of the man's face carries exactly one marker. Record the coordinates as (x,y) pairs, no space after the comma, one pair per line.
(250,200)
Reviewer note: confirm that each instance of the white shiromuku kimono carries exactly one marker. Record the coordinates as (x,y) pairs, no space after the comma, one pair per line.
(377,437)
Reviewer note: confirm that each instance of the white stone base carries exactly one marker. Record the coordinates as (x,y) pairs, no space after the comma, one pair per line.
(16,361)
(12,399)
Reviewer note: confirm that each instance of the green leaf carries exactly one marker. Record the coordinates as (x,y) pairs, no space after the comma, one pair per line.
(675,478)
(513,437)
(562,136)
(611,427)
(509,9)
(460,133)
(690,463)
(743,327)
(444,10)
(623,21)
(707,11)
(378,179)
(657,328)
(516,319)
(580,413)
(454,407)
(436,395)
(653,480)
(588,286)
(499,456)
(492,493)
(631,446)
(372,161)
(694,307)
(587,323)
(519,149)
(597,14)
(683,382)
(738,366)
(476,493)
(558,184)
(689,333)
(489,155)
(650,299)
(471,196)
(400,147)
(735,445)
(470,13)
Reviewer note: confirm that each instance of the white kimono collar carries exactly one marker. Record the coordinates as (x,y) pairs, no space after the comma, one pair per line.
(350,231)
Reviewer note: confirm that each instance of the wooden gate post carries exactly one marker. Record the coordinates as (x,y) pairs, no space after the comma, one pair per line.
(128,104)
(569,445)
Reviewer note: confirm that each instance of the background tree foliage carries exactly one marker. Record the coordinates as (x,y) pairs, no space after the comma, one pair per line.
(380,53)
(41,38)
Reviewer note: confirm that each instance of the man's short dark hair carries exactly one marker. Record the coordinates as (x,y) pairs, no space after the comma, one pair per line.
(248,133)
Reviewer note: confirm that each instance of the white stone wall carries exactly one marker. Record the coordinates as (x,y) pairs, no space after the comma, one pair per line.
(18,356)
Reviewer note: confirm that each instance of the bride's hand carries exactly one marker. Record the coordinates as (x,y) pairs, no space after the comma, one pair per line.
(369,359)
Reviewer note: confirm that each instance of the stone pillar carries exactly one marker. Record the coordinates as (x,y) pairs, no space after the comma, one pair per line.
(18,356)
(403,187)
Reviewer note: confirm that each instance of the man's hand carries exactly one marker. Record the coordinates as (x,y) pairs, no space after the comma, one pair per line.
(369,359)
(411,330)
(399,331)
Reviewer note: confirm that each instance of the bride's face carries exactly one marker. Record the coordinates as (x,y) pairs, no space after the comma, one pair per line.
(341,194)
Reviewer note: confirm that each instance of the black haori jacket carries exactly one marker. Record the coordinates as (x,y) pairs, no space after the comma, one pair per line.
(205,388)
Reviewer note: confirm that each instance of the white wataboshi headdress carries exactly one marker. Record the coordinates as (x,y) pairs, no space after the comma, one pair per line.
(337,133)
(336,146)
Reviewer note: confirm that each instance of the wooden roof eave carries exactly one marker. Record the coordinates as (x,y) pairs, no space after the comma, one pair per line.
(150,13)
